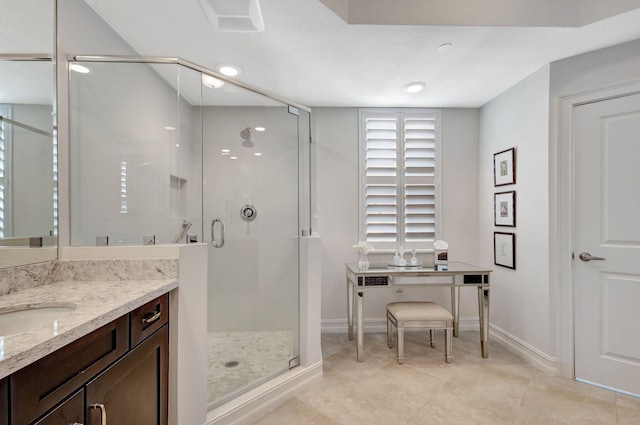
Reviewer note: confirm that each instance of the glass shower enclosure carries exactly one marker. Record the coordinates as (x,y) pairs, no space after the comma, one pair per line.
(161,153)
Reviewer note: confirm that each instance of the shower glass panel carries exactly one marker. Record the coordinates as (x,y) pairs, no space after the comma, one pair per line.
(159,155)
(251,205)
(135,143)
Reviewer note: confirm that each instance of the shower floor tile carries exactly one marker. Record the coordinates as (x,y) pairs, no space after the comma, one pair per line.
(240,359)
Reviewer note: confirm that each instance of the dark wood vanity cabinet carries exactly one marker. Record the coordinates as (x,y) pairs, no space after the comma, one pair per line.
(4,403)
(118,373)
(69,412)
(133,391)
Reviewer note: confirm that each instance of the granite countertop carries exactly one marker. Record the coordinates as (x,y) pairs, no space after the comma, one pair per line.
(98,303)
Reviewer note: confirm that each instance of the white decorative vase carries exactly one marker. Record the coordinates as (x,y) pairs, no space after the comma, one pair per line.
(363,263)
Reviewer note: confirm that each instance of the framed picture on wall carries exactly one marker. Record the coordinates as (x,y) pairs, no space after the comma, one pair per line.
(504,167)
(504,249)
(504,206)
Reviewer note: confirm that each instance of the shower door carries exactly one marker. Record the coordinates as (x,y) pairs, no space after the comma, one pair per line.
(250,214)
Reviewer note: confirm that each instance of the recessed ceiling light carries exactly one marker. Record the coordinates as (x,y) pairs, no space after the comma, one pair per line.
(445,47)
(212,82)
(79,68)
(257,154)
(259,128)
(414,87)
(169,128)
(233,157)
(229,70)
(225,150)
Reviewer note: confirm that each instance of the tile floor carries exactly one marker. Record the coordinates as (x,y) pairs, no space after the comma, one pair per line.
(502,389)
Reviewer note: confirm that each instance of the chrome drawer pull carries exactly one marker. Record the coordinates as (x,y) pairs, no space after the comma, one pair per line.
(103,418)
(154,317)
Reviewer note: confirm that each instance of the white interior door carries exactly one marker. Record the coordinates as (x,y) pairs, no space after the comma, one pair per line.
(607,225)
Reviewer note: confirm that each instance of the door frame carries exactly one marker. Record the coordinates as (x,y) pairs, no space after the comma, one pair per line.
(562,212)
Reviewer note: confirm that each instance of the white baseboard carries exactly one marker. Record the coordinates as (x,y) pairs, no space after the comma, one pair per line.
(257,402)
(530,354)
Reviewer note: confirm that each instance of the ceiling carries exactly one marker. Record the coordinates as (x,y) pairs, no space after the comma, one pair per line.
(309,54)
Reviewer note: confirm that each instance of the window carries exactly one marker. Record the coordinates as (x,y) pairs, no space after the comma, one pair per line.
(399,188)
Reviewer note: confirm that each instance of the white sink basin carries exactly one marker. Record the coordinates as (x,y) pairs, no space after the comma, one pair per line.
(23,318)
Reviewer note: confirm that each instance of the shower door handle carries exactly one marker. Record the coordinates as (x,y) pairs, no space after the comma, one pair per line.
(215,243)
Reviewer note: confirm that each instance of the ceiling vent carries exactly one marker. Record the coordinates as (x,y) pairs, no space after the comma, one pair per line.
(234,15)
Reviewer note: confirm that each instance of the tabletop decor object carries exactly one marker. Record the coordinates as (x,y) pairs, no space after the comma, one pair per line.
(363,248)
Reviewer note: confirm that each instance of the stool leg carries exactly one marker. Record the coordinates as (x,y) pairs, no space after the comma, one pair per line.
(447,345)
(432,337)
(400,343)
(389,333)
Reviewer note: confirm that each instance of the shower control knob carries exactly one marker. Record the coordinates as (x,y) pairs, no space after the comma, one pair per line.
(248,212)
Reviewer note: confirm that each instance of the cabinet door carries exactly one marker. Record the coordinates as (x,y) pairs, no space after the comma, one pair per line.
(4,403)
(133,391)
(67,413)
(39,387)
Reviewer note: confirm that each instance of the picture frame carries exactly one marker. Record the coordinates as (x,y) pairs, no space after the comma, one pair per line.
(504,167)
(504,209)
(504,249)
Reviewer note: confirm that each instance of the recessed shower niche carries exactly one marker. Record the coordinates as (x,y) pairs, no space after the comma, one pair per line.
(178,188)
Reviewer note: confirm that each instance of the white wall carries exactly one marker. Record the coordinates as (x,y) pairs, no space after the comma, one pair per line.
(602,69)
(336,148)
(520,304)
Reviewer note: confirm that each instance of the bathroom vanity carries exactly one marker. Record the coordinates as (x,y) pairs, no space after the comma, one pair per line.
(107,359)
(117,373)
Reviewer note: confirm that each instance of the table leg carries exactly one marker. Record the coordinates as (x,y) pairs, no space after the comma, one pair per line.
(483,308)
(360,326)
(455,308)
(350,289)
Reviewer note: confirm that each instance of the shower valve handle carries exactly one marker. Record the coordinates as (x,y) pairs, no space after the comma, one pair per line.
(215,243)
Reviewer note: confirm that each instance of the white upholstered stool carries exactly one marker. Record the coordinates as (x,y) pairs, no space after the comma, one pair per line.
(419,314)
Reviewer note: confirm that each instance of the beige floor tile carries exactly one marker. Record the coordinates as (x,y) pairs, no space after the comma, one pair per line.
(498,384)
(628,416)
(425,390)
(295,412)
(581,388)
(410,386)
(454,404)
(552,402)
(628,401)
(345,362)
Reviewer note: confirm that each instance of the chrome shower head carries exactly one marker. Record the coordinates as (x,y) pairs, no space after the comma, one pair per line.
(246,135)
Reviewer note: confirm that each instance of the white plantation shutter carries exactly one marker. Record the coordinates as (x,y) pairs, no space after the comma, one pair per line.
(398,173)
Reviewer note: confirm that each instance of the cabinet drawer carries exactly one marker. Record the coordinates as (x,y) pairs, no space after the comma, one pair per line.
(43,384)
(148,318)
(69,412)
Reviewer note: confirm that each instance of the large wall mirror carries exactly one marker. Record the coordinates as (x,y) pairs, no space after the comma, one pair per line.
(28,222)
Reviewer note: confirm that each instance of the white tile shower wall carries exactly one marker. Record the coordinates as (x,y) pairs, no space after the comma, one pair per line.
(125,148)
